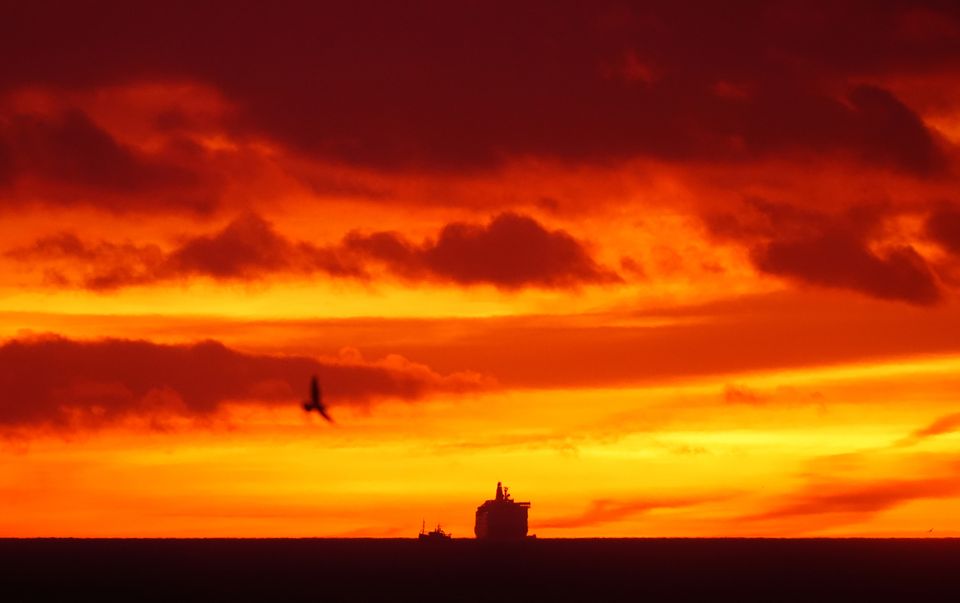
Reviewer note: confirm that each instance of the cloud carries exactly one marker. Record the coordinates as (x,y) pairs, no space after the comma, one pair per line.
(651,346)
(863,499)
(69,383)
(510,252)
(836,251)
(104,265)
(891,132)
(606,511)
(741,394)
(69,150)
(837,259)
(943,226)
(945,424)
(575,82)
(6,164)
(250,247)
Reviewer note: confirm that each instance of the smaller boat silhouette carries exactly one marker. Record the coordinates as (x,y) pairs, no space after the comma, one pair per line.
(437,534)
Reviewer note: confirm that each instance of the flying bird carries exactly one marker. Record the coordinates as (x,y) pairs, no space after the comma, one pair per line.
(316,400)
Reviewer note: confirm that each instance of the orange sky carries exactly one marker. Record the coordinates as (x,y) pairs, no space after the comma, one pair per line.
(663,273)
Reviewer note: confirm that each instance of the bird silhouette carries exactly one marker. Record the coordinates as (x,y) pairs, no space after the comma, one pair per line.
(316,400)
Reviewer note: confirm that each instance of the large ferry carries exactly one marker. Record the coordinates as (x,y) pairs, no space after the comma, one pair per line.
(502,518)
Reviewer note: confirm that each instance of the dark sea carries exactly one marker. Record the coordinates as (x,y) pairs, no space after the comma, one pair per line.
(469,570)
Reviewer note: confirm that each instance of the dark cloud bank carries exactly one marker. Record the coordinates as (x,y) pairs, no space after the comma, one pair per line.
(52,381)
(461,86)
(363,84)
(75,162)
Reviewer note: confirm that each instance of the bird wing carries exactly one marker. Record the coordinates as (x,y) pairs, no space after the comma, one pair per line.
(316,403)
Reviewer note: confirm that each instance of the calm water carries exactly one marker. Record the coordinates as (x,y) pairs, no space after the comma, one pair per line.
(467,570)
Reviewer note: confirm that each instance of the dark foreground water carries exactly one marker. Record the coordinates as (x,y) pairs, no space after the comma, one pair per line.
(467,570)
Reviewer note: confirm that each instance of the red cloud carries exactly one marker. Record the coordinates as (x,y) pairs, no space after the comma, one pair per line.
(512,82)
(889,131)
(512,251)
(741,394)
(860,498)
(249,247)
(837,259)
(70,150)
(67,383)
(837,251)
(106,265)
(6,164)
(945,424)
(943,226)
(605,511)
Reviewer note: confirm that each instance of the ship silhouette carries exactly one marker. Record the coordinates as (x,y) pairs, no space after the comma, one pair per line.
(502,518)
(437,534)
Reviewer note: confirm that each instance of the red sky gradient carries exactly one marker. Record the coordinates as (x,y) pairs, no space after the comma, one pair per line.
(663,270)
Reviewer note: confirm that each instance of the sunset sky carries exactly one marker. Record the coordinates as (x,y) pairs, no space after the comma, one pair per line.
(662,270)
